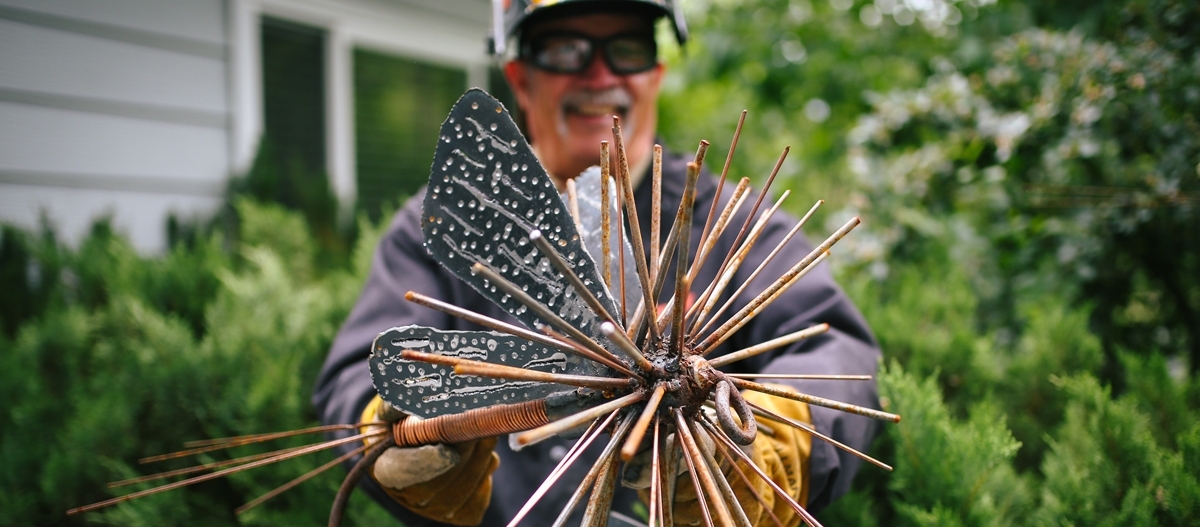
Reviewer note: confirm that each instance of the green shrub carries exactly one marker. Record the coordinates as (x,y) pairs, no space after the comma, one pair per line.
(1106,468)
(114,369)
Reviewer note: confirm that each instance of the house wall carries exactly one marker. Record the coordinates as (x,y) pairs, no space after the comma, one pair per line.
(117,107)
(445,32)
(141,108)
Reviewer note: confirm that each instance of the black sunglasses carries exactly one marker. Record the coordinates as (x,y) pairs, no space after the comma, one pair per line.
(562,52)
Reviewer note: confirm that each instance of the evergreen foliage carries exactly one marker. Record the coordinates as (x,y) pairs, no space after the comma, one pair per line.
(113,369)
(1027,173)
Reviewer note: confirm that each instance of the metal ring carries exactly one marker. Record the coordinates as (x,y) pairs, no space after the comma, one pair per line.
(745,434)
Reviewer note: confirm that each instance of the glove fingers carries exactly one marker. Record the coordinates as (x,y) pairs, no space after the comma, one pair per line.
(461,495)
(482,463)
(470,509)
(466,499)
(421,495)
(400,468)
(688,512)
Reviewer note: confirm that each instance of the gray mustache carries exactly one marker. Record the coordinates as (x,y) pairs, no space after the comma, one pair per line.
(615,96)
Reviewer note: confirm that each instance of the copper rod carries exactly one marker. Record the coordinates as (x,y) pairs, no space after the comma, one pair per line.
(605,229)
(643,423)
(819,401)
(222,473)
(519,374)
(609,451)
(701,477)
(568,271)
(561,344)
(204,467)
(590,299)
(670,479)
(769,345)
(759,410)
(307,476)
(787,498)
(731,208)
(712,210)
(718,286)
(579,418)
(726,491)
(274,435)
(621,173)
(584,441)
(737,134)
(600,503)
(801,376)
(500,371)
(540,310)
(732,325)
(608,359)
(610,330)
(694,268)
(709,238)
(656,484)
(737,241)
(682,285)
(337,511)
(758,270)
(576,496)
(705,513)
(784,281)
(637,320)
(701,152)
(635,226)
(655,210)
(475,423)
(573,205)
(228,444)
(749,485)
(645,313)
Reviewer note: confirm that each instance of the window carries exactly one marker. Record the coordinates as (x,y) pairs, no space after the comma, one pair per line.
(293,74)
(399,106)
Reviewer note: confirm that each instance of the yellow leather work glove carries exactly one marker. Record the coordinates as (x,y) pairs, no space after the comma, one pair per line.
(783,457)
(445,483)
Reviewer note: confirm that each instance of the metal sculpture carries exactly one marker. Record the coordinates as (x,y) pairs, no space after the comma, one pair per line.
(590,360)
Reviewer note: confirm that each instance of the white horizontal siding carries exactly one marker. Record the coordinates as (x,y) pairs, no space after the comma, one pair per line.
(38,139)
(140,216)
(37,59)
(112,107)
(194,19)
(445,32)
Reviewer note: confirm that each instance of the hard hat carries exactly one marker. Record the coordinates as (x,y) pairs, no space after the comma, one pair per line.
(509,15)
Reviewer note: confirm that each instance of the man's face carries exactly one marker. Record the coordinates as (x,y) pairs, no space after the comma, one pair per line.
(567,115)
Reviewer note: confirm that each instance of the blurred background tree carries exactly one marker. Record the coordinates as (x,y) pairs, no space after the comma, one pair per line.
(1029,177)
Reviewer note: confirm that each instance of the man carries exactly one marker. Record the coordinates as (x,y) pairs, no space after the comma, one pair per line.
(580,62)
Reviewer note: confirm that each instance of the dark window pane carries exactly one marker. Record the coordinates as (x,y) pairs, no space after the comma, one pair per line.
(293,68)
(399,105)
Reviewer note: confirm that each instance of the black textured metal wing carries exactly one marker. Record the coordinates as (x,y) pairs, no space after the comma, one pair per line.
(429,390)
(487,193)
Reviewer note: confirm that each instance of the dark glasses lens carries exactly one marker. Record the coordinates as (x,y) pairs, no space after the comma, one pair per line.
(572,53)
(630,54)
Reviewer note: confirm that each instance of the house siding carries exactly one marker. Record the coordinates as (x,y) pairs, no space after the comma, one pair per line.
(117,108)
(138,109)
